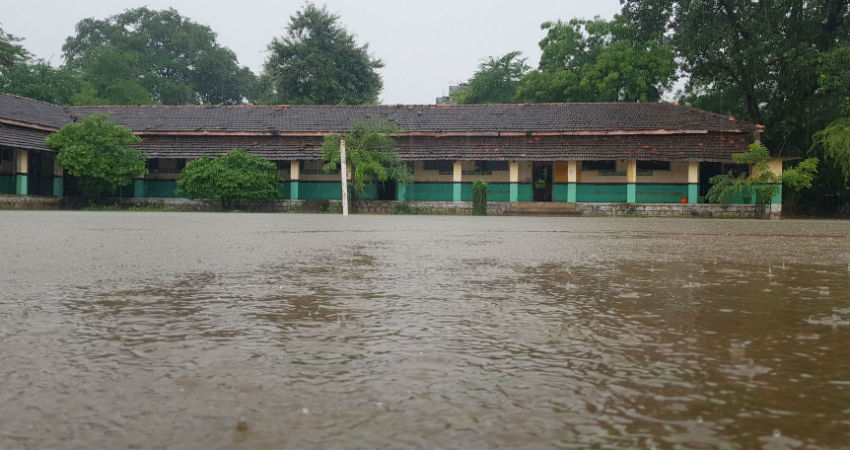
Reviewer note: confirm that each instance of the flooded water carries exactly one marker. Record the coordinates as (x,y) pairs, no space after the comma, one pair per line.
(189,330)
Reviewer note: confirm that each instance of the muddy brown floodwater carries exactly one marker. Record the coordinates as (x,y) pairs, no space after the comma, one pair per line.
(189,330)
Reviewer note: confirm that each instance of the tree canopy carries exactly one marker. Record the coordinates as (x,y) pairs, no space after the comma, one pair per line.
(232,177)
(371,153)
(598,61)
(317,62)
(496,80)
(782,64)
(99,153)
(149,56)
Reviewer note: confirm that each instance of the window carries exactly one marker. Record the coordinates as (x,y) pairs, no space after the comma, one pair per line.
(7,155)
(653,165)
(490,166)
(441,165)
(282,165)
(314,167)
(606,166)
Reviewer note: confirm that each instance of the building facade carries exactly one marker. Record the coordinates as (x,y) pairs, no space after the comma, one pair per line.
(579,152)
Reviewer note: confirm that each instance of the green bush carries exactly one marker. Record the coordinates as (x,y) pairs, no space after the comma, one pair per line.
(479,198)
(232,178)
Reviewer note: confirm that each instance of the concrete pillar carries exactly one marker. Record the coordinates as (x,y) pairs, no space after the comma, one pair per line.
(693,182)
(457,178)
(775,166)
(21,172)
(513,170)
(631,179)
(58,179)
(573,178)
(401,192)
(294,176)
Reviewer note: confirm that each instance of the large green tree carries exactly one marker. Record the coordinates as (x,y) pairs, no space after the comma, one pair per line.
(98,152)
(598,61)
(370,151)
(231,178)
(781,63)
(149,56)
(317,62)
(496,80)
(11,51)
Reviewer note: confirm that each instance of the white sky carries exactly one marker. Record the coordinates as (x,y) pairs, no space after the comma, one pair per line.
(425,45)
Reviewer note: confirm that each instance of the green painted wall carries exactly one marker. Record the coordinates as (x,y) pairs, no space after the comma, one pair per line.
(430,191)
(601,192)
(284,189)
(160,189)
(21,184)
(496,192)
(524,193)
(370,192)
(661,193)
(319,190)
(560,192)
(7,184)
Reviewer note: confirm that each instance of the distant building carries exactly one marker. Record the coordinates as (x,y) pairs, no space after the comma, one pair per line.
(559,152)
(449,100)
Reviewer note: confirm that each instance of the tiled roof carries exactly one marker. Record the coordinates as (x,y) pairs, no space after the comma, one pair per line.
(29,111)
(26,138)
(711,146)
(544,117)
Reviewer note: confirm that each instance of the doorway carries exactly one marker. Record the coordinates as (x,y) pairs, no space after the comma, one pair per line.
(387,190)
(541,181)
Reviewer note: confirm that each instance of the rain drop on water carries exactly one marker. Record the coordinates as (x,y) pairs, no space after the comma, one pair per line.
(305,411)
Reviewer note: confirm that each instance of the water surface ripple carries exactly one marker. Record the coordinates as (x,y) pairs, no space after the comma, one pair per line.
(162,330)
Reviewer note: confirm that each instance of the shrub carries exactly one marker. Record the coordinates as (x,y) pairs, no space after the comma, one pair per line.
(231,178)
(479,198)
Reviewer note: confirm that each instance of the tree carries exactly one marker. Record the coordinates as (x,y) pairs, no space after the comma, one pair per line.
(41,81)
(317,62)
(598,61)
(99,153)
(148,56)
(782,64)
(496,81)
(231,178)
(371,153)
(761,180)
(11,52)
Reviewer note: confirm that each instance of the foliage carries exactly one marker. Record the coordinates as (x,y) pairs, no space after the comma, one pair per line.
(98,152)
(41,81)
(317,62)
(11,52)
(496,81)
(761,180)
(479,198)
(149,56)
(598,60)
(782,64)
(232,177)
(371,153)
(833,143)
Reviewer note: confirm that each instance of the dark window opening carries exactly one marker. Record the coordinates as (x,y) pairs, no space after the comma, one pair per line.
(599,165)
(653,165)
(439,165)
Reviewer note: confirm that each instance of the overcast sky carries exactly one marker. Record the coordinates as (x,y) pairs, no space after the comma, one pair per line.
(425,45)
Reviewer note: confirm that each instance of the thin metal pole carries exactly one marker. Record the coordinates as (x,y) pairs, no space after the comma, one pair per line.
(343,170)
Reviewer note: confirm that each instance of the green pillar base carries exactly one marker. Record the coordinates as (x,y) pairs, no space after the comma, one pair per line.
(571,192)
(693,193)
(58,186)
(139,188)
(514,193)
(456,189)
(401,192)
(631,193)
(293,190)
(21,187)
(777,197)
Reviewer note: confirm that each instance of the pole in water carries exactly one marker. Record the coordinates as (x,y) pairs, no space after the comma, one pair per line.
(343,170)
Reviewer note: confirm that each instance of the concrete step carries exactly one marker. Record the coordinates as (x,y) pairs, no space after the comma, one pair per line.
(542,209)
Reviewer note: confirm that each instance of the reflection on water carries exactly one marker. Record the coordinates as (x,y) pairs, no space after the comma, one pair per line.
(271,331)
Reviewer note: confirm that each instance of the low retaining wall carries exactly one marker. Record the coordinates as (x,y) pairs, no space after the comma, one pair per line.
(395,207)
(676,210)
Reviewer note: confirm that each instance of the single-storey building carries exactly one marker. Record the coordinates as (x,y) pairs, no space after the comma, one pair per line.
(553,152)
